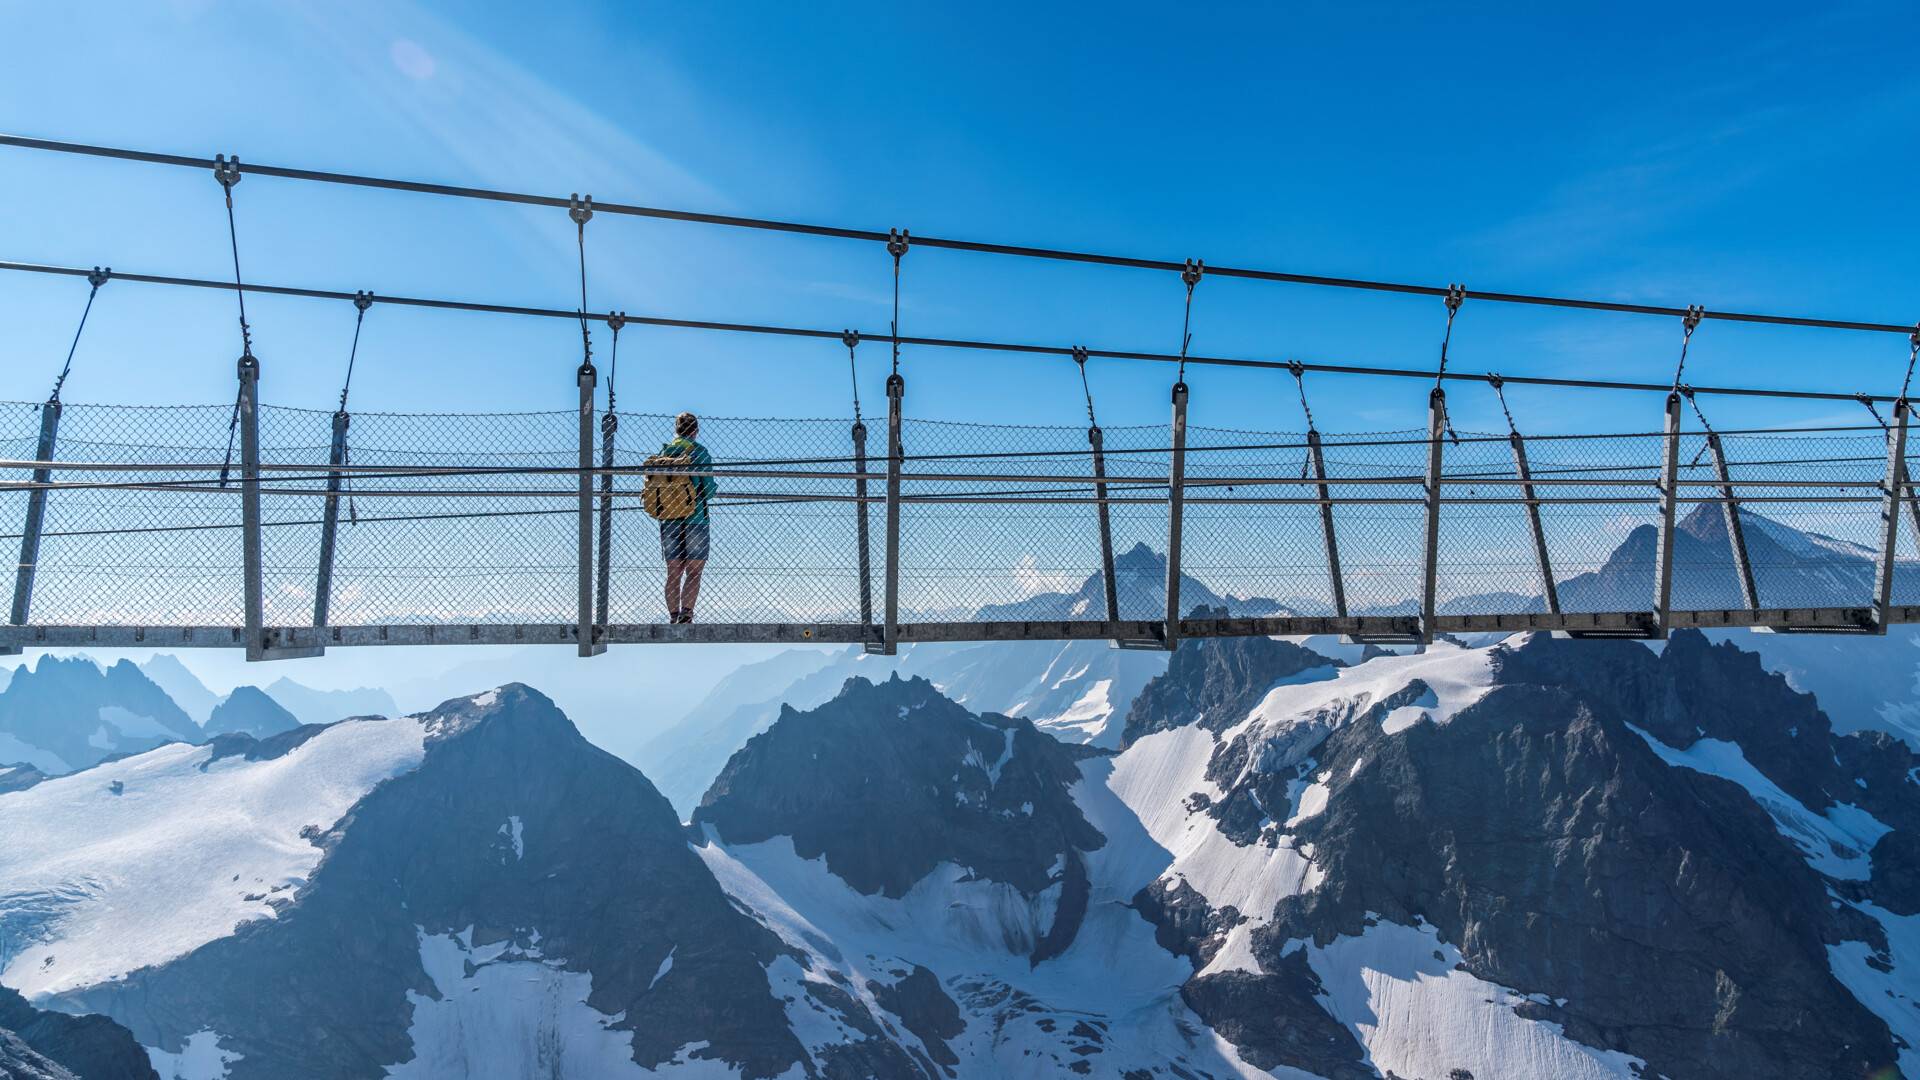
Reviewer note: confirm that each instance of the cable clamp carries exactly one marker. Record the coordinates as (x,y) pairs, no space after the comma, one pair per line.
(1194,269)
(1693,316)
(1685,391)
(226,170)
(897,241)
(580,209)
(1494,380)
(363,299)
(100,276)
(1456,295)
(850,338)
(616,320)
(1914,338)
(1296,368)
(1080,355)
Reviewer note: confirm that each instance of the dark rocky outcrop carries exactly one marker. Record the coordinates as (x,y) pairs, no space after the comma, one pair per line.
(889,780)
(595,864)
(1566,859)
(1274,1019)
(924,1009)
(19,777)
(1215,683)
(1646,907)
(37,1045)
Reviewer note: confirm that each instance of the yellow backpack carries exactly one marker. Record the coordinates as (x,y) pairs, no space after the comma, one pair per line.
(669,497)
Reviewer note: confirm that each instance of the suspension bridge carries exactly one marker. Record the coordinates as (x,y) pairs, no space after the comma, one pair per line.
(283,531)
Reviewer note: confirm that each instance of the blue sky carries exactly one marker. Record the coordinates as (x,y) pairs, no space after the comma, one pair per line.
(1736,157)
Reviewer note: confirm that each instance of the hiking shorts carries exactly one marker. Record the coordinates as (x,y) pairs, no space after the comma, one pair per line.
(683,541)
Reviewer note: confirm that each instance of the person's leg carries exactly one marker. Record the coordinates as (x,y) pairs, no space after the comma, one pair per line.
(690,590)
(694,555)
(676,569)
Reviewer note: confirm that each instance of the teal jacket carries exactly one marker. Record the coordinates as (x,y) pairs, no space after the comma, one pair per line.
(703,486)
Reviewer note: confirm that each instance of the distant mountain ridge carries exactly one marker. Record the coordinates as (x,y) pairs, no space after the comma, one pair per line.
(60,714)
(64,714)
(248,710)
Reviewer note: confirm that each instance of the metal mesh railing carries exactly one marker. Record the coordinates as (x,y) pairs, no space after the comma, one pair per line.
(474,519)
(1017,537)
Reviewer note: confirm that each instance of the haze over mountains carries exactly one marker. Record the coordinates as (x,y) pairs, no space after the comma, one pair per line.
(65,713)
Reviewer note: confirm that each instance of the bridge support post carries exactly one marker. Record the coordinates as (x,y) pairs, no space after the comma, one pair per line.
(1318,459)
(1913,504)
(1890,516)
(1176,504)
(330,520)
(1430,561)
(890,632)
(862,527)
(1669,504)
(1736,533)
(252,560)
(603,585)
(1549,590)
(586,377)
(1097,440)
(36,516)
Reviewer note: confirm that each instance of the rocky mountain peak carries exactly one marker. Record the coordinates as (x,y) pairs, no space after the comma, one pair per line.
(513,889)
(890,779)
(248,710)
(1215,683)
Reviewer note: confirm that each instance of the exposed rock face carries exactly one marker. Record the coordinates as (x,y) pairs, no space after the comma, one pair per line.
(249,711)
(66,714)
(1648,907)
(19,777)
(514,845)
(1076,691)
(944,870)
(37,1045)
(890,780)
(1216,684)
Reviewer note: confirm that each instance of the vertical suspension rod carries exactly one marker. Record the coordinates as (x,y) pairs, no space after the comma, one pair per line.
(1669,503)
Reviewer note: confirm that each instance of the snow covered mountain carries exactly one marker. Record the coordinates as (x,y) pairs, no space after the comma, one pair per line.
(1863,683)
(1076,691)
(475,891)
(1791,568)
(1567,859)
(1542,859)
(1537,859)
(65,714)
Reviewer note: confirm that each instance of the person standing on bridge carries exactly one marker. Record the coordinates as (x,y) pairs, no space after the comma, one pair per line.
(680,504)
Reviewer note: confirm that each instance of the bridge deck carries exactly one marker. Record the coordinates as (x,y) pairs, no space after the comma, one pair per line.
(1366,627)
